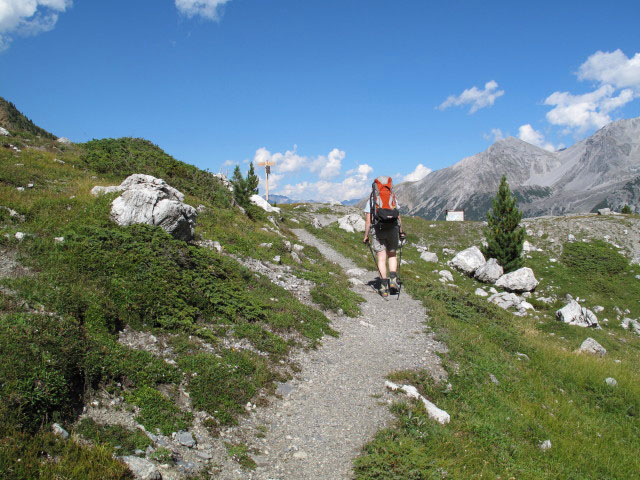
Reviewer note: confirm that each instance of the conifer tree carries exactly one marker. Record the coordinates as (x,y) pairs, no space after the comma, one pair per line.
(503,234)
(240,187)
(252,181)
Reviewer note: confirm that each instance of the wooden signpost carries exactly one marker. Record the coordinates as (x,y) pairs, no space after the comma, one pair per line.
(267,168)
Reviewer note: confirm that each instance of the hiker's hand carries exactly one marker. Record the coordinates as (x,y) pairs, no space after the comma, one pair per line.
(403,236)
(365,239)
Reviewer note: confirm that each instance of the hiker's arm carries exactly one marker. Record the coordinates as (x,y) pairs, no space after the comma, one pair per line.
(402,234)
(367,226)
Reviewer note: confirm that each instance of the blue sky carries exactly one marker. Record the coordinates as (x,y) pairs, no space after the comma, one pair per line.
(335,92)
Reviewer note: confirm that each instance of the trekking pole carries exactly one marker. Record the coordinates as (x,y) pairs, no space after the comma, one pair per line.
(402,241)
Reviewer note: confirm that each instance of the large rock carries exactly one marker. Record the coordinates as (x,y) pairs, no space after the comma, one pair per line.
(505,300)
(142,468)
(4,132)
(263,204)
(490,272)
(351,223)
(150,200)
(468,261)
(521,280)
(429,257)
(64,141)
(574,314)
(604,211)
(592,347)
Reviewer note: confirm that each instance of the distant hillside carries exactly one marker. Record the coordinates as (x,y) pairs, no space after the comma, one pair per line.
(600,171)
(14,121)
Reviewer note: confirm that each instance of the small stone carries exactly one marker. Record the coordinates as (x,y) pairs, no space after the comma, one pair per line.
(546,445)
(446,275)
(20,189)
(20,236)
(522,356)
(593,347)
(571,237)
(142,468)
(58,239)
(58,430)
(493,379)
(481,293)
(612,382)
(429,257)
(185,439)
(276,259)
(29,185)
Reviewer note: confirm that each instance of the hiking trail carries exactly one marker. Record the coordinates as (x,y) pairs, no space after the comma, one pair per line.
(338,401)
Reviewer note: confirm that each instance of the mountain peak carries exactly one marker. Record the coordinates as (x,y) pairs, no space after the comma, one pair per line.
(13,120)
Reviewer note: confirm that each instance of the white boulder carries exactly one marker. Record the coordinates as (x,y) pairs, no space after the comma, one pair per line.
(604,211)
(612,382)
(506,300)
(481,293)
(592,347)
(631,324)
(64,141)
(263,204)
(149,200)
(429,257)
(490,272)
(351,223)
(574,314)
(468,261)
(521,280)
(445,275)
(4,132)
(142,468)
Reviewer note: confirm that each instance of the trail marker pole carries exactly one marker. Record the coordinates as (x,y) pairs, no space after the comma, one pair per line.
(267,168)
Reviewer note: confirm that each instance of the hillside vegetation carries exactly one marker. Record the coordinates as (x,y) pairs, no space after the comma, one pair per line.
(514,382)
(128,320)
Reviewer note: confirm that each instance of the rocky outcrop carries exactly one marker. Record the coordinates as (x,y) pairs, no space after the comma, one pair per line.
(468,261)
(574,314)
(263,204)
(142,468)
(521,280)
(351,223)
(64,141)
(490,272)
(150,200)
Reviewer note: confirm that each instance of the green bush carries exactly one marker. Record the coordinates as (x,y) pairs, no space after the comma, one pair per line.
(596,257)
(626,209)
(158,412)
(123,440)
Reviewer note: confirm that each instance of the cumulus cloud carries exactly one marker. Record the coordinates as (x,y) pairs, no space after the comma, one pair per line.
(586,111)
(418,174)
(612,68)
(325,166)
(475,97)
(28,17)
(209,9)
(495,135)
(530,135)
(355,185)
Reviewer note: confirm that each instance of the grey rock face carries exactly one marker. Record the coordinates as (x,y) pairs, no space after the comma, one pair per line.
(142,468)
(593,347)
(351,223)
(573,314)
(521,280)
(468,261)
(150,200)
(429,257)
(490,272)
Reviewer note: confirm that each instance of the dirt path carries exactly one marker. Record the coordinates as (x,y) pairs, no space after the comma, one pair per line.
(338,401)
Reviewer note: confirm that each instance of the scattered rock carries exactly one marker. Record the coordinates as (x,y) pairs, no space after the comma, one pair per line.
(522,356)
(298,248)
(573,314)
(57,160)
(592,347)
(481,293)
(263,204)
(546,445)
(447,251)
(493,379)
(604,211)
(150,200)
(434,412)
(276,259)
(492,290)
(64,141)
(505,300)
(631,324)
(315,223)
(446,275)
(612,382)
(185,439)
(266,245)
(13,213)
(58,239)
(4,132)
(20,189)
(490,272)
(20,236)
(598,309)
(429,257)
(521,280)
(59,431)
(571,237)
(351,223)
(142,468)
(211,245)
(468,261)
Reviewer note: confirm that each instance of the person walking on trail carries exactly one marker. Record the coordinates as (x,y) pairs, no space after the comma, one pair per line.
(383,228)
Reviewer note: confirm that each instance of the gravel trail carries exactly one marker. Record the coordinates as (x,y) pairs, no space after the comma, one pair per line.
(338,401)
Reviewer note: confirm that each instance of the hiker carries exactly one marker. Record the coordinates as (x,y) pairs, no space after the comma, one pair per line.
(384,228)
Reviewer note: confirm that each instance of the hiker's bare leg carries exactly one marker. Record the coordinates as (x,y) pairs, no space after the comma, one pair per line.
(382,263)
(393,262)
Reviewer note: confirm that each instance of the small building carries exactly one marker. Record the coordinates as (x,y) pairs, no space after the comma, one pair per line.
(455,215)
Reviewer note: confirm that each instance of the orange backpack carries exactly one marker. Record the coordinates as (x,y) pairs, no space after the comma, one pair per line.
(383,204)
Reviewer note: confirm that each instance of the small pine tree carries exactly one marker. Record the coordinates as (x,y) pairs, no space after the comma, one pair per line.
(626,209)
(240,192)
(252,181)
(503,234)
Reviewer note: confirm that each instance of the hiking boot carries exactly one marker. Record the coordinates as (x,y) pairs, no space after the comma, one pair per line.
(383,290)
(393,285)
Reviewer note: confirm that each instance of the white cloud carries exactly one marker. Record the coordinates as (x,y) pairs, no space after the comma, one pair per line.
(612,68)
(208,9)
(329,166)
(530,135)
(290,161)
(356,185)
(589,110)
(495,135)
(475,97)
(228,163)
(28,17)
(418,174)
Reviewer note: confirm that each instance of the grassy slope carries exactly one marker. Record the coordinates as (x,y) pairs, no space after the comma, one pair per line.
(105,277)
(559,395)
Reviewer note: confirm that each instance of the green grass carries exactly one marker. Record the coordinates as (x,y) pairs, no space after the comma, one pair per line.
(560,395)
(240,453)
(157,412)
(122,440)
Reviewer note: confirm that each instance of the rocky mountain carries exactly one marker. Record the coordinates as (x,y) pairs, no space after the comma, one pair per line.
(12,120)
(602,170)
